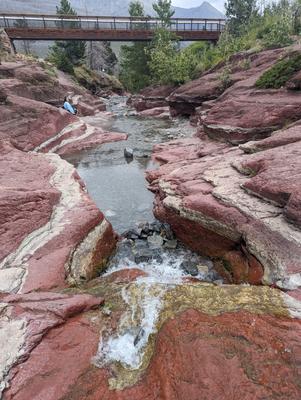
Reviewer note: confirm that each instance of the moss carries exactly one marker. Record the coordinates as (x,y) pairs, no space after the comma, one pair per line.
(94,81)
(277,76)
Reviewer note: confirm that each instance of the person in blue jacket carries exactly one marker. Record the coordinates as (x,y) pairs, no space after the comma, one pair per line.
(68,107)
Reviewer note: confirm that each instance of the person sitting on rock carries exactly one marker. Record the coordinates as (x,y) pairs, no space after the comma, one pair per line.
(68,107)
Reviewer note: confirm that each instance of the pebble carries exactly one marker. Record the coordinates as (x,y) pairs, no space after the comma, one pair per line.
(189,268)
(155,241)
(171,244)
(203,269)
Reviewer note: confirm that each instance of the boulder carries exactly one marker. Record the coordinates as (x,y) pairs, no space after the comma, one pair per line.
(96,81)
(157,112)
(150,98)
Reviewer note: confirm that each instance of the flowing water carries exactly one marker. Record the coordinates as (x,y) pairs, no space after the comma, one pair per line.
(118,186)
(120,190)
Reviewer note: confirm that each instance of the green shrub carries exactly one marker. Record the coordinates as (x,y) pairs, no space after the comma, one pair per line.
(225,78)
(278,33)
(280,73)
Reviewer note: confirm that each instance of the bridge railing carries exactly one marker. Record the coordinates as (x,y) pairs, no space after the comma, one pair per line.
(35,21)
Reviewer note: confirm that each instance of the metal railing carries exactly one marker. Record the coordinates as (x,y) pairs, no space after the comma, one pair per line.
(37,21)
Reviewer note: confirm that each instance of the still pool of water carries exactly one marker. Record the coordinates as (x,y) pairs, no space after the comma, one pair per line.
(117,186)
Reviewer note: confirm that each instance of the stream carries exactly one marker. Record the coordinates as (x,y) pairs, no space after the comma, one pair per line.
(119,189)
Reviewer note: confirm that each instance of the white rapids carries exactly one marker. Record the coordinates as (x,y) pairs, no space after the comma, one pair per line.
(144,298)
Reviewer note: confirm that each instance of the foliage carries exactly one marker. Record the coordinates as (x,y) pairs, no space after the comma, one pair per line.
(280,73)
(168,64)
(239,13)
(164,11)
(95,81)
(66,54)
(277,28)
(225,78)
(271,28)
(134,70)
(136,9)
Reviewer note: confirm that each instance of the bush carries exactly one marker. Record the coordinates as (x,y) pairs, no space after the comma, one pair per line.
(277,34)
(280,73)
(225,78)
(59,58)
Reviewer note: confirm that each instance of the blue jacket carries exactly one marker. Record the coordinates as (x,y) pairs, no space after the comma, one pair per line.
(68,107)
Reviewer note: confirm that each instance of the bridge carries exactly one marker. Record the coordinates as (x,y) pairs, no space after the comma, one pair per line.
(90,28)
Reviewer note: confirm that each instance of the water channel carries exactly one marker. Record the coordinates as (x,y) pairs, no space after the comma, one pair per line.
(119,188)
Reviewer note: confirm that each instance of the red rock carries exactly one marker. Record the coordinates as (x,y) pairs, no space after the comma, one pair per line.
(40,314)
(242,66)
(251,116)
(97,138)
(151,97)
(277,139)
(28,123)
(50,227)
(206,196)
(158,112)
(237,361)
(276,176)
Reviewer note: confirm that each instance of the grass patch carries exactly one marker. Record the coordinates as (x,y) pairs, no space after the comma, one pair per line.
(277,76)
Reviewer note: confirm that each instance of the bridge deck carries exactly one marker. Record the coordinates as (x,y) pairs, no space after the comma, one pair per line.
(54,27)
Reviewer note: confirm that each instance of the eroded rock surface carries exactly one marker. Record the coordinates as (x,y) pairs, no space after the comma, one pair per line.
(240,208)
(50,227)
(205,348)
(151,97)
(31,113)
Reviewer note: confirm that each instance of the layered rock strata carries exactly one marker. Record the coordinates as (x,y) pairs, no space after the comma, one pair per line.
(209,342)
(241,208)
(151,97)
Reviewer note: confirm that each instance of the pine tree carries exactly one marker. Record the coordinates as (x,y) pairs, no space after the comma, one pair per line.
(164,11)
(66,54)
(134,73)
(239,13)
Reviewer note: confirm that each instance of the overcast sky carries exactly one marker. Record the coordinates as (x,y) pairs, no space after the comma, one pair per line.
(219,4)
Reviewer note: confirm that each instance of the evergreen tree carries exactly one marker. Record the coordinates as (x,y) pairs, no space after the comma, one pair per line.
(164,47)
(164,11)
(239,14)
(136,9)
(66,54)
(134,72)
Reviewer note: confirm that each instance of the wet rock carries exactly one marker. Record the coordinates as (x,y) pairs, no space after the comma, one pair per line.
(156,226)
(140,244)
(145,228)
(143,255)
(190,268)
(139,336)
(155,241)
(128,153)
(132,234)
(203,269)
(171,244)
(167,232)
